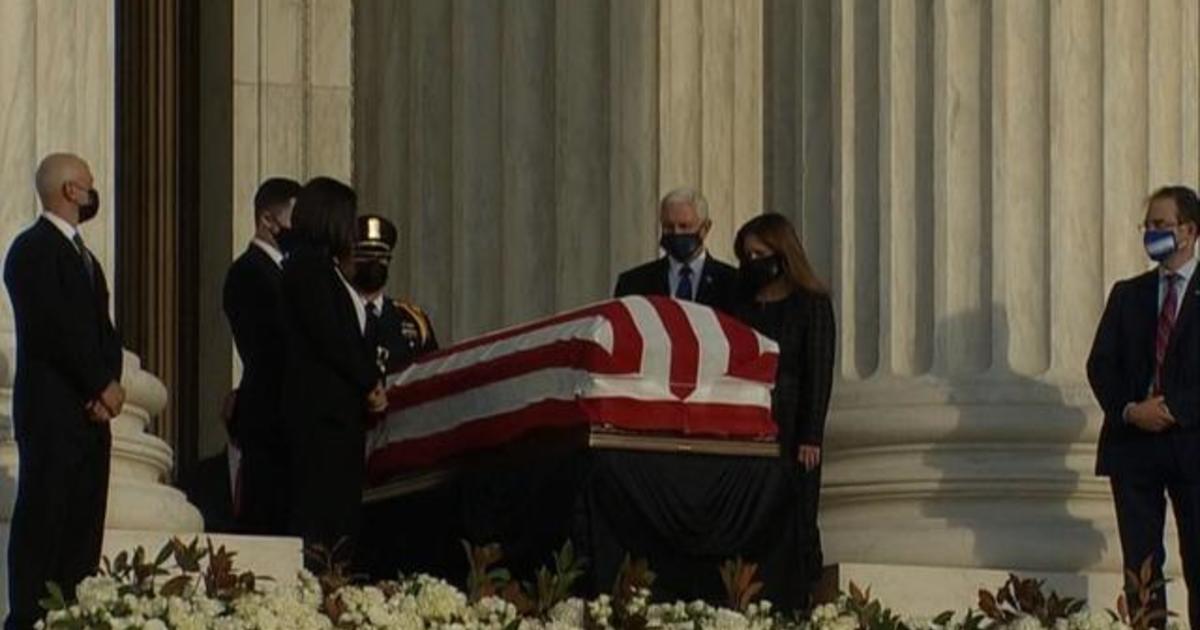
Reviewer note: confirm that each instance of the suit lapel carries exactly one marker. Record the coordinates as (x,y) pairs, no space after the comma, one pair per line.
(1187,311)
(1145,312)
(706,281)
(664,276)
(69,253)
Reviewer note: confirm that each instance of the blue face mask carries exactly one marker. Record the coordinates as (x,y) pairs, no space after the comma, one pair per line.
(681,247)
(1160,244)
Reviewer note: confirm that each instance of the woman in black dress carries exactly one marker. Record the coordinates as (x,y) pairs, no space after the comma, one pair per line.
(784,300)
(332,380)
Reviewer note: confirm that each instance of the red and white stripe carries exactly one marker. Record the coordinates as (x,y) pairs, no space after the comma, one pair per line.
(636,364)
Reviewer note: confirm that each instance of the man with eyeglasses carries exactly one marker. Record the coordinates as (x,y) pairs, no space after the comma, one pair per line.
(1144,373)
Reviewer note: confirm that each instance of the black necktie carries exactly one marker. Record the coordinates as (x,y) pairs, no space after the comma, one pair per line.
(371,329)
(371,334)
(89,264)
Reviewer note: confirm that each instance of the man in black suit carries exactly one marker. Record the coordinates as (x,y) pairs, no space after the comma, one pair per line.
(687,272)
(66,391)
(401,331)
(253,302)
(1145,373)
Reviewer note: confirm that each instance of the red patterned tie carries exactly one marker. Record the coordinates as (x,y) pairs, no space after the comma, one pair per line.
(1166,323)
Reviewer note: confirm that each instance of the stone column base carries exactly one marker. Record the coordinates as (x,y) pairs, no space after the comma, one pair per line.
(924,592)
(277,557)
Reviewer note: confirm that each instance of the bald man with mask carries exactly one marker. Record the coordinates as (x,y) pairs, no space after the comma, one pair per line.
(66,391)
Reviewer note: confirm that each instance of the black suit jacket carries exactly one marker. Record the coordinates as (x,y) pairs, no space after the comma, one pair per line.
(67,348)
(330,368)
(253,302)
(718,282)
(807,337)
(1121,369)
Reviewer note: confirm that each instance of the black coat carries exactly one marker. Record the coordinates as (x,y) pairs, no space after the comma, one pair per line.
(1121,369)
(67,353)
(330,372)
(67,348)
(253,303)
(803,325)
(718,282)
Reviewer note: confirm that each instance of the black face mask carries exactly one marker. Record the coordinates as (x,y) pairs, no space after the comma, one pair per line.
(760,272)
(88,211)
(681,247)
(370,275)
(286,239)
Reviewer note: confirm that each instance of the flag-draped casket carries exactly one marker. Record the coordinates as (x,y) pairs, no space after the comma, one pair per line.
(636,364)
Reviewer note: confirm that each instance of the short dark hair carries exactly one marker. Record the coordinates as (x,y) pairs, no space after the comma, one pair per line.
(1185,200)
(324,216)
(274,193)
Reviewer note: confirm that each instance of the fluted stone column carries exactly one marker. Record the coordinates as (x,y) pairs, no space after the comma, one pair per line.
(56,94)
(521,146)
(989,163)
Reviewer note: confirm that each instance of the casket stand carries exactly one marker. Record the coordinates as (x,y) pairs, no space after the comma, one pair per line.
(684,499)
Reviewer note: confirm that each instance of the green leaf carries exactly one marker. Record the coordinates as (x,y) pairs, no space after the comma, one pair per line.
(944,618)
(55,601)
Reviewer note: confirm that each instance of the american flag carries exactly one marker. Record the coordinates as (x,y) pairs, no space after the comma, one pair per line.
(637,364)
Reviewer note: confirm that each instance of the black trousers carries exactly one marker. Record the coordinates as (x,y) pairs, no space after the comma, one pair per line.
(1141,518)
(265,490)
(327,485)
(58,519)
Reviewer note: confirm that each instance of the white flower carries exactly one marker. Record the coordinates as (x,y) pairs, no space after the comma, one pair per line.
(569,613)
(97,592)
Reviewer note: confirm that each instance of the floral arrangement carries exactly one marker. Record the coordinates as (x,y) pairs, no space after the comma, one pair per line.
(203,590)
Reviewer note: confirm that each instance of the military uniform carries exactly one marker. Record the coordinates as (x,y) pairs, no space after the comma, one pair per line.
(405,333)
(401,331)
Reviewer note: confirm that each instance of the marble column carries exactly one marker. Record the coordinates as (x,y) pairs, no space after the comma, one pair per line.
(521,146)
(56,94)
(989,163)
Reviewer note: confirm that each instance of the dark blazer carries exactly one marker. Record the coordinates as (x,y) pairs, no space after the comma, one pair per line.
(67,353)
(1121,369)
(253,303)
(67,348)
(807,337)
(718,282)
(330,371)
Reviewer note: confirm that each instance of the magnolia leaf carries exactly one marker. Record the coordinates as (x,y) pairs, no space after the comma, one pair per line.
(55,601)
(1147,571)
(944,618)
(176,586)
(164,554)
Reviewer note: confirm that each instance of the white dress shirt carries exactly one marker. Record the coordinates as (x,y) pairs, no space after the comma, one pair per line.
(360,308)
(696,265)
(270,250)
(63,226)
(1185,278)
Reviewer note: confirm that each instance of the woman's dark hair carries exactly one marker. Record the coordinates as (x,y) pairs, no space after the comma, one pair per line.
(777,232)
(324,216)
